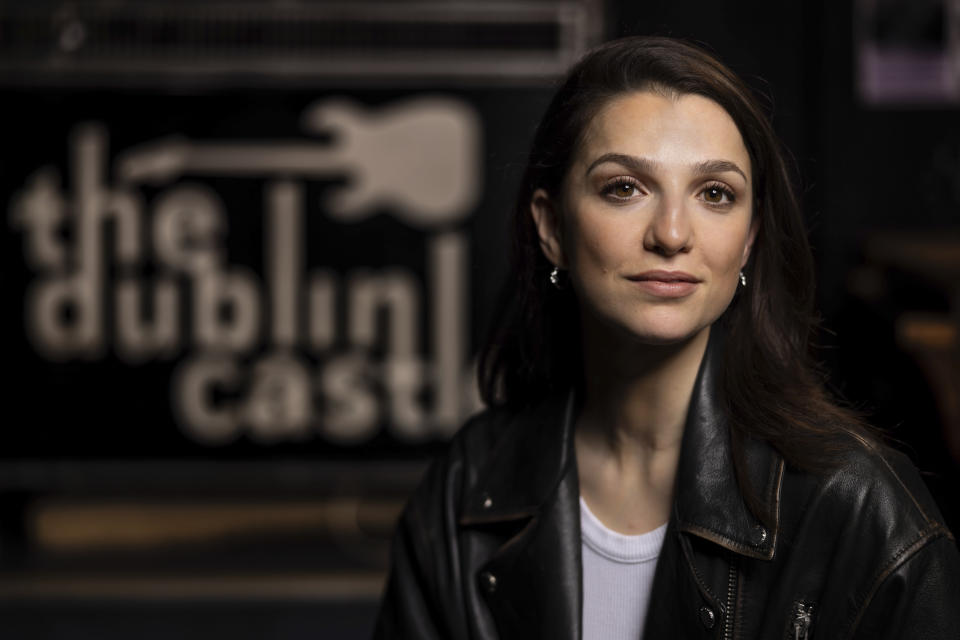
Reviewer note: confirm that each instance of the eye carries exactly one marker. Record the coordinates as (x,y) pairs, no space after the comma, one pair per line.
(623,188)
(718,194)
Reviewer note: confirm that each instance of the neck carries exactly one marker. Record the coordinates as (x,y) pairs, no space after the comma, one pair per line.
(637,396)
(629,431)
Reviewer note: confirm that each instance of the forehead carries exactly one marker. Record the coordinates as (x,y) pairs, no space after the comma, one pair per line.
(672,130)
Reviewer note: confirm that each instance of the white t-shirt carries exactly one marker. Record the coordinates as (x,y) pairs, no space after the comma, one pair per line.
(617,578)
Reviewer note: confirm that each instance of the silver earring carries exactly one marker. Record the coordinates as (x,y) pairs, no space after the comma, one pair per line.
(555,278)
(743,279)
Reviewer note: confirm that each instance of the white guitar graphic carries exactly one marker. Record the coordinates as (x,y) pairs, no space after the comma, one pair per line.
(419,158)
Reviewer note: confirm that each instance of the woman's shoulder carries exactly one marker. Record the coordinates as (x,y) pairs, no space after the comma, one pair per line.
(873,504)
(867,535)
(882,485)
(473,443)
(511,434)
(481,433)
(501,453)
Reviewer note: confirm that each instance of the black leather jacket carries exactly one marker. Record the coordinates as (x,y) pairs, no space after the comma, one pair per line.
(489,545)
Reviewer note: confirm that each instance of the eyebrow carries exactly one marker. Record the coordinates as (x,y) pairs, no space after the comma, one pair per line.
(645,165)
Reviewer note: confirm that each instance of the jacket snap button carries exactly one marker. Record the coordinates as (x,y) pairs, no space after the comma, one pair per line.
(759,535)
(489,581)
(487,502)
(707,617)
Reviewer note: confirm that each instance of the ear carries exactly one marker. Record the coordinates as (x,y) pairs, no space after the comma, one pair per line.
(546,218)
(754,228)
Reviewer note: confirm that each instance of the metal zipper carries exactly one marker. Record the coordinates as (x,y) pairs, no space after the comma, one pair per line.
(802,618)
(731,596)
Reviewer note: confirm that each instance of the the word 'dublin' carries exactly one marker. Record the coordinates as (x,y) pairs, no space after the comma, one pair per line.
(273,356)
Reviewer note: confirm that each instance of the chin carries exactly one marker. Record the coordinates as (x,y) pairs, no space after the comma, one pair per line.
(626,327)
(662,334)
(664,338)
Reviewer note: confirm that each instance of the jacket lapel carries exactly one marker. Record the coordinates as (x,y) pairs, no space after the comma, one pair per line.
(530,496)
(708,501)
(695,588)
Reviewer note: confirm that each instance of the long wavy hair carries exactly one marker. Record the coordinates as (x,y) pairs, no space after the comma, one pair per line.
(771,389)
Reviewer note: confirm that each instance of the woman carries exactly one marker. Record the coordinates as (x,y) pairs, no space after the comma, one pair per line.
(659,458)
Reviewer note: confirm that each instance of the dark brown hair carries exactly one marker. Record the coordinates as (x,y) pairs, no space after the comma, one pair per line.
(771,389)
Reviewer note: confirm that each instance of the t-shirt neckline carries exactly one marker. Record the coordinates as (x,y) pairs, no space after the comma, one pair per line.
(616,546)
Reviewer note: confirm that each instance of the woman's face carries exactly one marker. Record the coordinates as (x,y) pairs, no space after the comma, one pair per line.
(654,222)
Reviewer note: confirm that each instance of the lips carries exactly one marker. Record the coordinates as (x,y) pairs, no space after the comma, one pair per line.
(663,276)
(665,284)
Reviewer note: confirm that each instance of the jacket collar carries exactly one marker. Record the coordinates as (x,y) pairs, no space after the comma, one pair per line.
(708,499)
(528,495)
(530,461)
(526,465)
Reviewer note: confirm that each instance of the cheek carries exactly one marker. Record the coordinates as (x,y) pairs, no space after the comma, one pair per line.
(596,246)
(725,258)
(728,262)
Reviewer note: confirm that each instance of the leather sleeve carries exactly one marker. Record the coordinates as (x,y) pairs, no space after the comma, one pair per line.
(919,599)
(423,597)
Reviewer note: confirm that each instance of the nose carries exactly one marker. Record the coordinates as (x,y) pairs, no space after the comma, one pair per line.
(669,231)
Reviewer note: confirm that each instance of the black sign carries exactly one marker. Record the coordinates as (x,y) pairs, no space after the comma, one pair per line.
(250,273)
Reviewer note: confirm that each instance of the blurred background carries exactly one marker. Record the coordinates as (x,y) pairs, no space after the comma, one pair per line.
(250,248)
